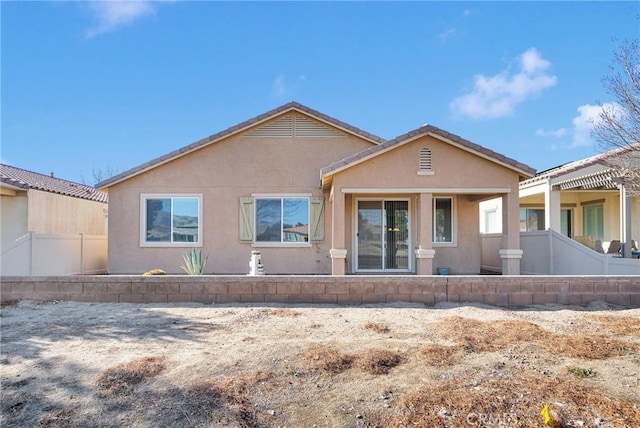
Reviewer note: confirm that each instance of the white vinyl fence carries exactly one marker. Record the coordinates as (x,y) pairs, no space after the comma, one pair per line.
(38,254)
(547,252)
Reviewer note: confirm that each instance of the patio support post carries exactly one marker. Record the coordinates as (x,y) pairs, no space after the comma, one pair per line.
(511,254)
(338,252)
(625,221)
(424,251)
(552,209)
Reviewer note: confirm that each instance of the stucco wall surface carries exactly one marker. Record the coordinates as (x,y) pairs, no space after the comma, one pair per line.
(222,172)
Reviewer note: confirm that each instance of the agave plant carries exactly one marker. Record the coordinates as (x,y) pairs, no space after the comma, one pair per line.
(194,263)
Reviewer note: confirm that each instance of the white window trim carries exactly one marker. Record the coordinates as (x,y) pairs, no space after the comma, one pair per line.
(143,220)
(454,222)
(281,196)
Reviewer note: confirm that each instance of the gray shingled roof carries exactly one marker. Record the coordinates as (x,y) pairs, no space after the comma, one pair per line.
(437,132)
(291,106)
(23,179)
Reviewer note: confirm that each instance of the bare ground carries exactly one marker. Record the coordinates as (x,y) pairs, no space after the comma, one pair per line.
(112,365)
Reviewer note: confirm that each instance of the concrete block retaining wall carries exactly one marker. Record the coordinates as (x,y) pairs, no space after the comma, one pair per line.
(346,290)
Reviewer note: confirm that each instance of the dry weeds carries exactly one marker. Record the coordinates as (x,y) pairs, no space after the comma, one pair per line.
(328,360)
(378,361)
(328,370)
(121,379)
(60,418)
(441,355)
(618,324)
(284,312)
(499,401)
(489,336)
(378,327)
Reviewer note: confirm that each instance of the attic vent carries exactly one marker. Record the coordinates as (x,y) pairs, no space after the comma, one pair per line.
(305,127)
(425,162)
(279,128)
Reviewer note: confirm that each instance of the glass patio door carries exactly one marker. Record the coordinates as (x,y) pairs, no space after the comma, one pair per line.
(383,236)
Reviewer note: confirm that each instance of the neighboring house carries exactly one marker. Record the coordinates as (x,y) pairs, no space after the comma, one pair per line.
(34,206)
(584,200)
(315,196)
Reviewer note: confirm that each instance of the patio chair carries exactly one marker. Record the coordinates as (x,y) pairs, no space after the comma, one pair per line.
(598,246)
(614,247)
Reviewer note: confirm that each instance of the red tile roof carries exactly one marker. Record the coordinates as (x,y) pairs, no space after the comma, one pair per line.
(23,179)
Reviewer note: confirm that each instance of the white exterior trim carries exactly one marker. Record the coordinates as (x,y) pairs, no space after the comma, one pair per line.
(434,190)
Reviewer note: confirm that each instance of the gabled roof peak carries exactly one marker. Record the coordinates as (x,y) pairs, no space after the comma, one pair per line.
(290,106)
(436,132)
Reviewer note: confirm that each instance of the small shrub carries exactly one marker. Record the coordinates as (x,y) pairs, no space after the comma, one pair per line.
(194,263)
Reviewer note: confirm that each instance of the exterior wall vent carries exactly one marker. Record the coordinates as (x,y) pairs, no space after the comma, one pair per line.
(425,159)
(294,126)
(305,127)
(280,128)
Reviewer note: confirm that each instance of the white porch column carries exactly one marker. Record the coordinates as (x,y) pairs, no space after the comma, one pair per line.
(625,221)
(338,251)
(510,253)
(552,209)
(425,252)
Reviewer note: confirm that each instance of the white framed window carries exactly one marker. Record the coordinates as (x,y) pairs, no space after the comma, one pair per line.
(443,220)
(491,221)
(170,220)
(531,219)
(268,220)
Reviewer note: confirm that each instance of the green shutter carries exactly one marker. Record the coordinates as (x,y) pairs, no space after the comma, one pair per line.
(245,224)
(316,214)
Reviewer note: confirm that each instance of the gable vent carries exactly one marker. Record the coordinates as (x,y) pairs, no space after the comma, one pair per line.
(305,127)
(425,159)
(279,128)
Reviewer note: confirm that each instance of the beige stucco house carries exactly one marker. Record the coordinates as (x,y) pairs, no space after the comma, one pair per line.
(49,225)
(584,200)
(315,196)
(33,202)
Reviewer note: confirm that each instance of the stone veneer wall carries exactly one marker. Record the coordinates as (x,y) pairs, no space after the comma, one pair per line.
(345,290)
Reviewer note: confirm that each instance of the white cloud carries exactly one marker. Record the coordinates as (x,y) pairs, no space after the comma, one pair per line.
(447,34)
(589,115)
(556,133)
(498,96)
(112,14)
(281,88)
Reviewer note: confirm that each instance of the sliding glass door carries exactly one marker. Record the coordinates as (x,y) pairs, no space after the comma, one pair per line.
(382,235)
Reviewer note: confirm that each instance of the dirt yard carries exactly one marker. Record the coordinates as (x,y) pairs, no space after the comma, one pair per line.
(117,365)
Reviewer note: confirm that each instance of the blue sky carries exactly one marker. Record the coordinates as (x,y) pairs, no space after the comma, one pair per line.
(110,85)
